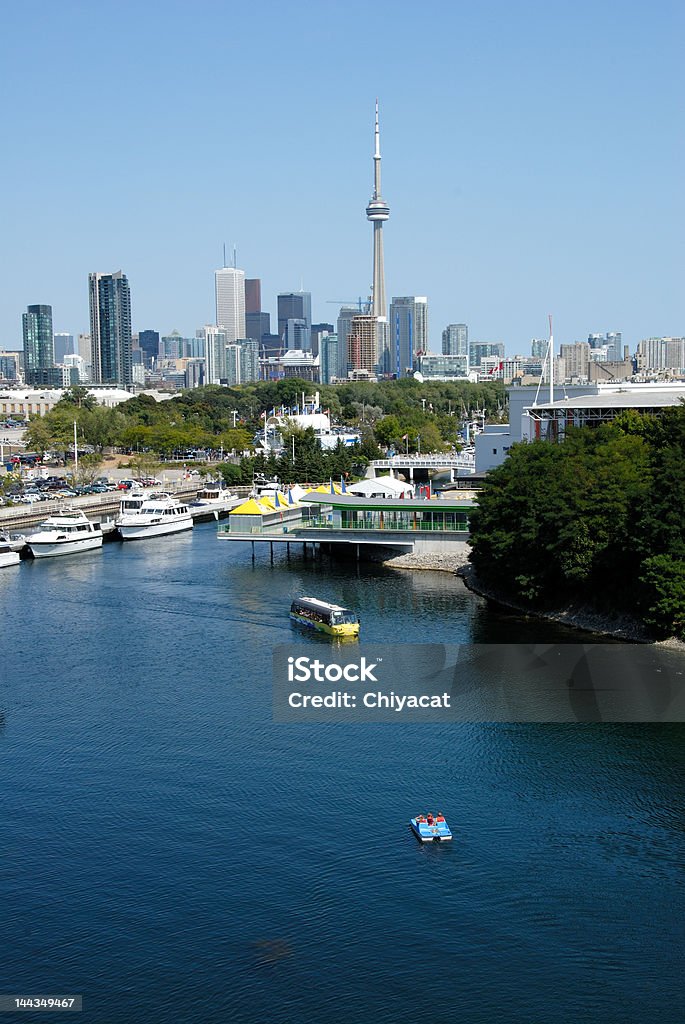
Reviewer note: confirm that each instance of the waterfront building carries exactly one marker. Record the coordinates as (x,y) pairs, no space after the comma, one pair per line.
(483,349)
(64,345)
(328,357)
(148,342)
(39,344)
(455,341)
(229,286)
(110,329)
(296,307)
(408,332)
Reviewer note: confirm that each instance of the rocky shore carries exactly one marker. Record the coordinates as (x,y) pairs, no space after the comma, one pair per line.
(621,627)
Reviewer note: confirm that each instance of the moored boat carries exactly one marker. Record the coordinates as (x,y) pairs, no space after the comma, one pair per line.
(65,533)
(158,514)
(431,828)
(324,617)
(7,556)
(212,501)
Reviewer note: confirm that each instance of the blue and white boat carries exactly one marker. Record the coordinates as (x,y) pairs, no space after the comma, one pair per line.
(431,828)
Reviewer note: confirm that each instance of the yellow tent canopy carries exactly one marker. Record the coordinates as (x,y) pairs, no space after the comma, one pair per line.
(250,508)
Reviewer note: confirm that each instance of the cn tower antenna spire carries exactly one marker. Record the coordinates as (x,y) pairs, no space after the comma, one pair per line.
(377,212)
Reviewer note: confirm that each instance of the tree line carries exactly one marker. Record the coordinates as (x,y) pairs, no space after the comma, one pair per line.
(598,518)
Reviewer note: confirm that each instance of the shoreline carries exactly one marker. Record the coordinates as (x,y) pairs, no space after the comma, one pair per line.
(580,617)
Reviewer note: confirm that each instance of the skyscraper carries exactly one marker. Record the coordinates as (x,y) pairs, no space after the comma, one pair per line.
(229,283)
(149,346)
(215,342)
(362,343)
(295,306)
(328,357)
(455,340)
(110,329)
(39,344)
(484,350)
(345,318)
(253,295)
(64,346)
(408,332)
(378,212)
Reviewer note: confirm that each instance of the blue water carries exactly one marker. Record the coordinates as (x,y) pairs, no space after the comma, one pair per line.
(171,854)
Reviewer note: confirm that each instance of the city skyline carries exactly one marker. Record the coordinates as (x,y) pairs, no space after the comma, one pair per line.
(521,186)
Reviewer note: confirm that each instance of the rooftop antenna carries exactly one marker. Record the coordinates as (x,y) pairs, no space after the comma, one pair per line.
(235,258)
(224,254)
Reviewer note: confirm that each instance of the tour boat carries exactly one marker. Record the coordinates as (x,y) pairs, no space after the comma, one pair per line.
(327,618)
(431,828)
(7,556)
(157,515)
(66,533)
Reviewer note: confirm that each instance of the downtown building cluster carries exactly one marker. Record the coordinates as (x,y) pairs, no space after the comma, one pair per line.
(370,340)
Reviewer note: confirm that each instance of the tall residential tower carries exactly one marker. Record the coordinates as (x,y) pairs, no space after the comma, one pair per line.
(110,329)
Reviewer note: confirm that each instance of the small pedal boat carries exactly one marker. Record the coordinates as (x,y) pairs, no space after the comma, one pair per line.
(431,828)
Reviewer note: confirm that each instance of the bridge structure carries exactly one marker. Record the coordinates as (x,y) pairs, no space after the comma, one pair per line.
(423,467)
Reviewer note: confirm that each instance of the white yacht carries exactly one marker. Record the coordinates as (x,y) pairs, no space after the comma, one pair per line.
(14,541)
(157,515)
(7,556)
(213,500)
(65,533)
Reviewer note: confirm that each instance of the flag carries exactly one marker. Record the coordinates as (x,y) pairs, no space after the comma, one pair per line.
(331,485)
(496,369)
(342,485)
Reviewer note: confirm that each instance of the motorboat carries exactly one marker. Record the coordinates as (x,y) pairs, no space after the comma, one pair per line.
(158,514)
(8,556)
(431,828)
(67,532)
(212,500)
(14,541)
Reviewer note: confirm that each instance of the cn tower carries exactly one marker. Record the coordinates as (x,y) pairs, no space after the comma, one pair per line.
(378,211)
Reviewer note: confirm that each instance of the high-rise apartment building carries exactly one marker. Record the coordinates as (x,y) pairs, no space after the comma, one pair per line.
(215,341)
(296,306)
(229,285)
(576,359)
(362,343)
(455,340)
(110,329)
(408,332)
(345,318)
(328,357)
(318,332)
(39,344)
(484,349)
(538,347)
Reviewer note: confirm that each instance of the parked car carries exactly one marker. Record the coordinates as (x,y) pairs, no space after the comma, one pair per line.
(125,485)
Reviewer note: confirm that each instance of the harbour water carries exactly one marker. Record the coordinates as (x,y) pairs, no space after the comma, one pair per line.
(172,854)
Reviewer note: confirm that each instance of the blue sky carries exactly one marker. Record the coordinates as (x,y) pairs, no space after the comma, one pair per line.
(532,159)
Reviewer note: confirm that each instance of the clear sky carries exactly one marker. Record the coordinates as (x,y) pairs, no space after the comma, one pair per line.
(532,158)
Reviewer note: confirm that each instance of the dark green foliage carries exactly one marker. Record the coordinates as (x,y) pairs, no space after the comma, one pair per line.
(599,518)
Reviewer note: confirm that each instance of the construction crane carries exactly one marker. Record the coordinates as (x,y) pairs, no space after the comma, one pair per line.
(360,302)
